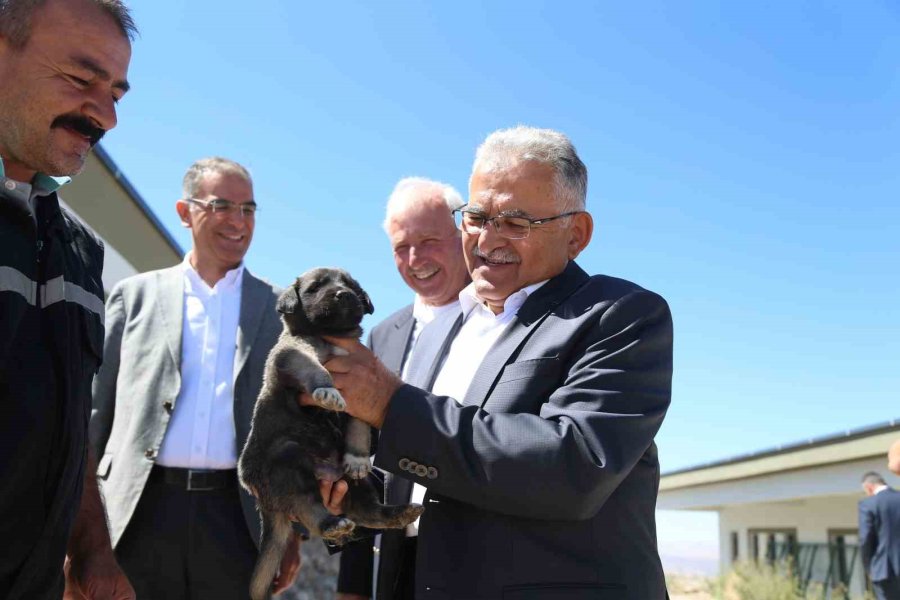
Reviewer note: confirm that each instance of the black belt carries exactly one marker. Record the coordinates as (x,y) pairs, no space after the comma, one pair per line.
(196,480)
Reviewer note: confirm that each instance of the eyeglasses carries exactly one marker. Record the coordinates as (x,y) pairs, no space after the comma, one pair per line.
(508,226)
(222,207)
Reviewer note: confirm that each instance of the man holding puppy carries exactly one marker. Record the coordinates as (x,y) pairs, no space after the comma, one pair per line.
(428,254)
(183,366)
(63,66)
(536,443)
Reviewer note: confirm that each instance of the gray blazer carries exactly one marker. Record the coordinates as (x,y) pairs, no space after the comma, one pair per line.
(135,390)
(543,484)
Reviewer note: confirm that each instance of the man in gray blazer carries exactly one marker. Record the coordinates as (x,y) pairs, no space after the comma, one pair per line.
(428,254)
(536,441)
(879,536)
(183,365)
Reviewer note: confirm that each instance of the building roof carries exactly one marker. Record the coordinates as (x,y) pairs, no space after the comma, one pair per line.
(864,442)
(104,198)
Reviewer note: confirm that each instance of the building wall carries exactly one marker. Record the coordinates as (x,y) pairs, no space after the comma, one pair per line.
(827,480)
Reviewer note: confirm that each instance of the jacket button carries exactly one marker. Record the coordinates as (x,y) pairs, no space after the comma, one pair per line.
(412,467)
(403,464)
(421,470)
(432,473)
(168,406)
(150,453)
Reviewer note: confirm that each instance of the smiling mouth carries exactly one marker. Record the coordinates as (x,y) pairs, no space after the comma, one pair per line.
(424,275)
(232,238)
(497,260)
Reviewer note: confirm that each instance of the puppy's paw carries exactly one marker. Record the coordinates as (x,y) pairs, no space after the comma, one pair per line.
(329,398)
(338,529)
(356,467)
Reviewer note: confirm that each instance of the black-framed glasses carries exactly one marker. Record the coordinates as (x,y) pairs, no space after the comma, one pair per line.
(222,207)
(512,227)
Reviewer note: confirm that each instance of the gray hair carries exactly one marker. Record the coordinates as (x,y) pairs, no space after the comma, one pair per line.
(206,166)
(873,478)
(400,198)
(506,147)
(15,19)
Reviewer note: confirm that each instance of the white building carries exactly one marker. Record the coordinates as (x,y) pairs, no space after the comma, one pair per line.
(797,501)
(106,202)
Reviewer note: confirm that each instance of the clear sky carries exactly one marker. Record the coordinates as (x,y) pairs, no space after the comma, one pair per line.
(742,157)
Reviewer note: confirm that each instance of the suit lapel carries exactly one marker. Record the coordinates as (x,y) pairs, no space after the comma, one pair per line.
(397,345)
(253,304)
(170,306)
(536,308)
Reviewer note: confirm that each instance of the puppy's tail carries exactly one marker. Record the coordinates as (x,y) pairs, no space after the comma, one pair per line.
(276,530)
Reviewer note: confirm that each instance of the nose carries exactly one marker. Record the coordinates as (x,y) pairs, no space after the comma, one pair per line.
(101,109)
(416,256)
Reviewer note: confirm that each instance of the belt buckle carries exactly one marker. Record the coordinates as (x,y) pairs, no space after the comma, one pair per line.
(192,487)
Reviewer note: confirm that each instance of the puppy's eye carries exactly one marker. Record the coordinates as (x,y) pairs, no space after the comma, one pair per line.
(315,285)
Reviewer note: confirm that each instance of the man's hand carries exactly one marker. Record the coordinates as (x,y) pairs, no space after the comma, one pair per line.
(91,569)
(333,493)
(96,577)
(365,383)
(290,565)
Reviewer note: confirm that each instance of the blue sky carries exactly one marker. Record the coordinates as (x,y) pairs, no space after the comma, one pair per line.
(742,159)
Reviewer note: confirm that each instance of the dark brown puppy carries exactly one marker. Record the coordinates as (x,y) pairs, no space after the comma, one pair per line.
(290,447)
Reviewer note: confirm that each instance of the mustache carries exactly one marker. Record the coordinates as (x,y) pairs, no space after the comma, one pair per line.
(497,256)
(80,124)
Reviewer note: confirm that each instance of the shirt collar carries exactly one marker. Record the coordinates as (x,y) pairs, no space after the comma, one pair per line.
(879,489)
(425,314)
(41,181)
(230,282)
(469,299)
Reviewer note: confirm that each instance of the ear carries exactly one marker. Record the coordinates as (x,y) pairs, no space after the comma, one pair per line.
(361,294)
(580,232)
(184,213)
(289,300)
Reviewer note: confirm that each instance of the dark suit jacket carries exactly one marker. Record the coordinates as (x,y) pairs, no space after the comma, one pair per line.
(879,534)
(390,341)
(547,475)
(136,388)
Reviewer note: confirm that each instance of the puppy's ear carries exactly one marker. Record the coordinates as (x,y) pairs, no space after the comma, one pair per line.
(361,294)
(288,301)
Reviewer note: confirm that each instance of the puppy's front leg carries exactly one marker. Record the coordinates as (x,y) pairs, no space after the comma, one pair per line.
(302,371)
(356,449)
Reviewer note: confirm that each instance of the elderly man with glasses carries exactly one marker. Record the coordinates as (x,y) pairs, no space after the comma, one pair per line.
(533,429)
(185,350)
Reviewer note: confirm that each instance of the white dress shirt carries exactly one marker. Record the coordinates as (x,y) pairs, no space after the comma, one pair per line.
(201,431)
(479,331)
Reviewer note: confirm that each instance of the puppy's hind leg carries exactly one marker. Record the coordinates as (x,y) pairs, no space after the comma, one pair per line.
(276,530)
(361,504)
(357,446)
(320,522)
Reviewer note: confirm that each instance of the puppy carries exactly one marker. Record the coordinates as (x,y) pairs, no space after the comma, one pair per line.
(290,447)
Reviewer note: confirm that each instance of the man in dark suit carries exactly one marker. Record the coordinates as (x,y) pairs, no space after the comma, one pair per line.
(536,442)
(183,365)
(428,254)
(879,536)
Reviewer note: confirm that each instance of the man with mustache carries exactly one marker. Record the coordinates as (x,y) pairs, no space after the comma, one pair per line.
(428,254)
(183,366)
(63,67)
(535,441)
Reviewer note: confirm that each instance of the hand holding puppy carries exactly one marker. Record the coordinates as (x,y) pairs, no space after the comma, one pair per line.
(366,385)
